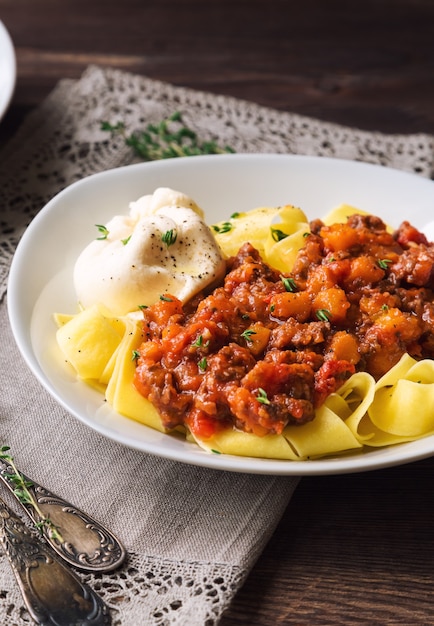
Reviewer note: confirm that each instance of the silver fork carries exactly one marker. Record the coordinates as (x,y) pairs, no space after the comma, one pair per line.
(53,593)
(76,537)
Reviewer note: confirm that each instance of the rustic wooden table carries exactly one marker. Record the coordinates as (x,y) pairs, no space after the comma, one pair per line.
(351,549)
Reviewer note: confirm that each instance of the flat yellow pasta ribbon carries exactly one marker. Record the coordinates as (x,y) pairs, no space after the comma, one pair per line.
(403,405)
(121,392)
(232,441)
(325,435)
(88,340)
(340,214)
(277,233)
(281,253)
(101,348)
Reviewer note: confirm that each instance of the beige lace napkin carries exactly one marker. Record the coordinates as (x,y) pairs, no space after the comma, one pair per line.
(192,534)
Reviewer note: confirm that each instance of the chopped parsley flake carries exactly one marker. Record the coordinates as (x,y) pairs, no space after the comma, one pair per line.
(198,343)
(202,364)
(262,396)
(224,228)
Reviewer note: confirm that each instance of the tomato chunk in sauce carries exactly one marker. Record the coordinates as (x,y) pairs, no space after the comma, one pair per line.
(264,350)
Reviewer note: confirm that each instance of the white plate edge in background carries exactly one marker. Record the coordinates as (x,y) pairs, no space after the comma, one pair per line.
(8,69)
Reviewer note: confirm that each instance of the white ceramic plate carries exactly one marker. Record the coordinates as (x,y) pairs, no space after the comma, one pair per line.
(7,69)
(41,273)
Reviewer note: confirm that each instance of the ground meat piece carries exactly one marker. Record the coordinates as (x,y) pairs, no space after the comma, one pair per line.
(229,364)
(224,371)
(428,317)
(407,234)
(315,226)
(372,223)
(313,359)
(310,255)
(233,384)
(292,334)
(415,266)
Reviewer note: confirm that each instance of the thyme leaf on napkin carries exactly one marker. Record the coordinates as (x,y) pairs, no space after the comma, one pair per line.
(24,495)
(165,140)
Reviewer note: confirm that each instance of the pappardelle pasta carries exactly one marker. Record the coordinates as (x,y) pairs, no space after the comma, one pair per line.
(318,340)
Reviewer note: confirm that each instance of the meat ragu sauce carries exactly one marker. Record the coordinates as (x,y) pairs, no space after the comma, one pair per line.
(264,350)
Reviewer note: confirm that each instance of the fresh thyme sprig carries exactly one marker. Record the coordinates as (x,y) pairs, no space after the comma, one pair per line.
(384,263)
(104,233)
(323,315)
(288,283)
(22,492)
(247,334)
(166,139)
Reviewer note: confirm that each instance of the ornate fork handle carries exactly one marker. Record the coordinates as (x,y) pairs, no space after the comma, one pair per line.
(81,541)
(53,594)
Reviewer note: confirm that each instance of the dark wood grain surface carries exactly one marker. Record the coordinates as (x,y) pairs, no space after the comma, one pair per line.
(351,549)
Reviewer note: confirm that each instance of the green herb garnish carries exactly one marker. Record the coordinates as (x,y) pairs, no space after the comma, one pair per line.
(202,364)
(22,492)
(169,237)
(278,234)
(113,128)
(198,343)
(289,283)
(166,139)
(247,334)
(166,299)
(224,228)
(262,396)
(103,230)
(384,263)
(323,315)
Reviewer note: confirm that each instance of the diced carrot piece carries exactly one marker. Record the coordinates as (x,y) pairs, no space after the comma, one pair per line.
(291,304)
(333,303)
(343,347)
